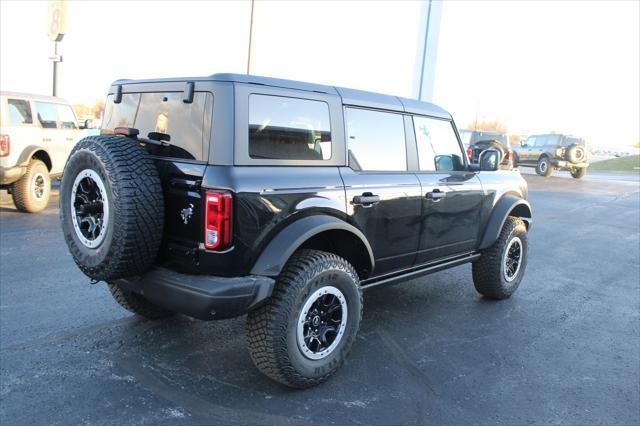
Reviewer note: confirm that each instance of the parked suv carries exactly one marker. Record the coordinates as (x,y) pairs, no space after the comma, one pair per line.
(37,134)
(477,141)
(553,151)
(231,194)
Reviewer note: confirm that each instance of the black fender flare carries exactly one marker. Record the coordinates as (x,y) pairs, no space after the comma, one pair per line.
(508,205)
(28,152)
(288,240)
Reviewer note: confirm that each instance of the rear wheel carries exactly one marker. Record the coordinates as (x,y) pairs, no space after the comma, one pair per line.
(499,271)
(137,304)
(304,332)
(31,193)
(544,167)
(578,172)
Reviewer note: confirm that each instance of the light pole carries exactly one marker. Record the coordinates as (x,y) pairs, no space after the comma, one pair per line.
(253,8)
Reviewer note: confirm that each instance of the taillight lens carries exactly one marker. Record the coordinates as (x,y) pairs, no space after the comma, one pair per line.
(5,145)
(470,153)
(218,216)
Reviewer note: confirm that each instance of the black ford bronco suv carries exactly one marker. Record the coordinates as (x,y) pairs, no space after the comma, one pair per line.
(231,194)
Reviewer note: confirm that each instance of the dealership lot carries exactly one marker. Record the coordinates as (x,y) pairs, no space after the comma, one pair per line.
(564,349)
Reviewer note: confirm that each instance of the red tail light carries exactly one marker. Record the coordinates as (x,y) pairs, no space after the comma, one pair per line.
(5,145)
(217,222)
(470,153)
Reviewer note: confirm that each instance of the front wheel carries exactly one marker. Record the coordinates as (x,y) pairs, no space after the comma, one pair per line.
(578,172)
(499,271)
(304,332)
(544,167)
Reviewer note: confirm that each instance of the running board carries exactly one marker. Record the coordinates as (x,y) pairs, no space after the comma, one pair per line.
(412,273)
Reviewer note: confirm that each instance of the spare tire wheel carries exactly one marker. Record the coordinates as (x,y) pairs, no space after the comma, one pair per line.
(111,207)
(575,153)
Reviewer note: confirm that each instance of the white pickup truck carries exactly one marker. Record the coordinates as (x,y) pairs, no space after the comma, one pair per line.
(37,134)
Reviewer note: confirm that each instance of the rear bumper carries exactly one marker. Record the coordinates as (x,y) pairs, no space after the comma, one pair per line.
(563,163)
(9,175)
(200,296)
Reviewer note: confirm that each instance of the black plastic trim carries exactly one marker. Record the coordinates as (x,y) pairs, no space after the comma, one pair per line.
(200,296)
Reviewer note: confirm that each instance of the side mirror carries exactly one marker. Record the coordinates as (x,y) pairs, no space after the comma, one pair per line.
(489,160)
(88,124)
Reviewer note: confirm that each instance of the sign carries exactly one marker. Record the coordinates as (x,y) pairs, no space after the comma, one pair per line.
(55,58)
(57,20)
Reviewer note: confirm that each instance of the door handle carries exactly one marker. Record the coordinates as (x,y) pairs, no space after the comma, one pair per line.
(69,139)
(367,199)
(436,195)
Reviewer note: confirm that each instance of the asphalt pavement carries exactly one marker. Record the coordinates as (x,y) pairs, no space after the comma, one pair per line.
(565,349)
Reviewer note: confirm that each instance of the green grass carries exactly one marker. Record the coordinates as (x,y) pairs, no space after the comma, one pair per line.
(622,164)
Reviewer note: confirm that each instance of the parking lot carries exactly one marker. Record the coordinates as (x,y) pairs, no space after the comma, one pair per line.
(564,349)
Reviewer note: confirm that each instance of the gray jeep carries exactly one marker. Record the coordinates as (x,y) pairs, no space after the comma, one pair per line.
(553,151)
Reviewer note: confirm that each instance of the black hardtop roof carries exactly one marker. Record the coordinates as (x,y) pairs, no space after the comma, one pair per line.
(349,96)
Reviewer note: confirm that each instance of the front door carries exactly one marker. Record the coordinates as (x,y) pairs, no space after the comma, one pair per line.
(451,197)
(51,137)
(383,197)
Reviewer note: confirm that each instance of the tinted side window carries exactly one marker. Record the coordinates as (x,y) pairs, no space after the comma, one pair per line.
(376,140)
(282,128)
(47,115)
(552,140)
(66,117)
(19,111)
(438,147)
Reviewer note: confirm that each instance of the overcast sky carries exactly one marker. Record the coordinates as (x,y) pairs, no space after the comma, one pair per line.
(537,66)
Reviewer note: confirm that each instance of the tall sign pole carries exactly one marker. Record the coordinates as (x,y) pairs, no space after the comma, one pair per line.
(56,28)
(253,6)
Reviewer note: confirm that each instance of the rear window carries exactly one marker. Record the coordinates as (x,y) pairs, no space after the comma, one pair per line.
(282,128)
(67,117)
(19,111)
(164,112)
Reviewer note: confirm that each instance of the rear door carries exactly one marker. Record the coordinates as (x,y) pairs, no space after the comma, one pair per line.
(69,135)
(50,138)
(451,196)
(383,197)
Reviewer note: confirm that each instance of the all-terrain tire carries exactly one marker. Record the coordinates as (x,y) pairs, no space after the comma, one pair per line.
(31,193)
(578,172)
(489,272)
(137,304)
(134,199)
(544,167)
(272,328)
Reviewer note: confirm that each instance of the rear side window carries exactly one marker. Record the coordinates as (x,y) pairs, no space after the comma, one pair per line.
(19,111)
(376,140)
(282,128)
(66,117)
(47,115)
(438,148)
(163,112)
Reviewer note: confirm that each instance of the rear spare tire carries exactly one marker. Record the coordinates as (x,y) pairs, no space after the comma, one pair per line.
(575,153)
(111,207)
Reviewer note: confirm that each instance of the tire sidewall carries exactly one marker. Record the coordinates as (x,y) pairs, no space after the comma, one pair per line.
(510,287)
(41,168)
(321,367)
(79,161)
(547,170)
